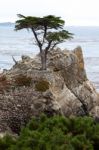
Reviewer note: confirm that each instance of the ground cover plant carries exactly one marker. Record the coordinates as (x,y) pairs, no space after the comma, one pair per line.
(55,133)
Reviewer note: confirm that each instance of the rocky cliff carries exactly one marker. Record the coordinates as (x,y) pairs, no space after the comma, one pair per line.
(27,91)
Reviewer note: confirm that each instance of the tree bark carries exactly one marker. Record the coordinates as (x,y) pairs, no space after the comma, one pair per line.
(43,60)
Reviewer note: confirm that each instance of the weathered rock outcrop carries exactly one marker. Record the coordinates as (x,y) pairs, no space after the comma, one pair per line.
(68,91)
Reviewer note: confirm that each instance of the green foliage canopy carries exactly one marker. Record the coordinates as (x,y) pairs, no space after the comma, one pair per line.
(56,133)
(48,32)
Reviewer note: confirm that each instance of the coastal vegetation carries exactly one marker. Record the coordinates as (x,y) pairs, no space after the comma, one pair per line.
(23,80)
(63,95)
(4,83)
(42,86)
(55,133)
(47,31)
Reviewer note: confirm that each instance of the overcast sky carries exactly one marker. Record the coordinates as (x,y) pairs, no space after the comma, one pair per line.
(74,12)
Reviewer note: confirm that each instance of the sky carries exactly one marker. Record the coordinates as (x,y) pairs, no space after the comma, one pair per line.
(74,12)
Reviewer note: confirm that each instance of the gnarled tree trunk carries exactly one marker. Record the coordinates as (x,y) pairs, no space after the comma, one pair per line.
(43,60)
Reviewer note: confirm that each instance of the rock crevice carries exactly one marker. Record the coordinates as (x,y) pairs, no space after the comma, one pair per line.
(69,91)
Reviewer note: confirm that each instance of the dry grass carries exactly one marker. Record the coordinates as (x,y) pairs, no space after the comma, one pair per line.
(4,83)
(23,80)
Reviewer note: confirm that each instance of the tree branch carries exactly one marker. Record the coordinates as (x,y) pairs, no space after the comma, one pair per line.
(37,40)
(44,36)
(55,45)
(14,60)
(47,48)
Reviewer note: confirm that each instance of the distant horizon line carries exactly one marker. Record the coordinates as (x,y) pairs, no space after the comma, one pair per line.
(13,22)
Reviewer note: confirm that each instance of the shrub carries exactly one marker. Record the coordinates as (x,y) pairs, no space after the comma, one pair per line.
(23,80)
(42,86)
(56,133)
(6,142)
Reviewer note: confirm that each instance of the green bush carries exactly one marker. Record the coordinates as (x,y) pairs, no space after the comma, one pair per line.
(6,142)
(56,133)
(42,86)
(23,80)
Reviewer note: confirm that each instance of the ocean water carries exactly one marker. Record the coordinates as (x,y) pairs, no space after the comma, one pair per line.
(19,43)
